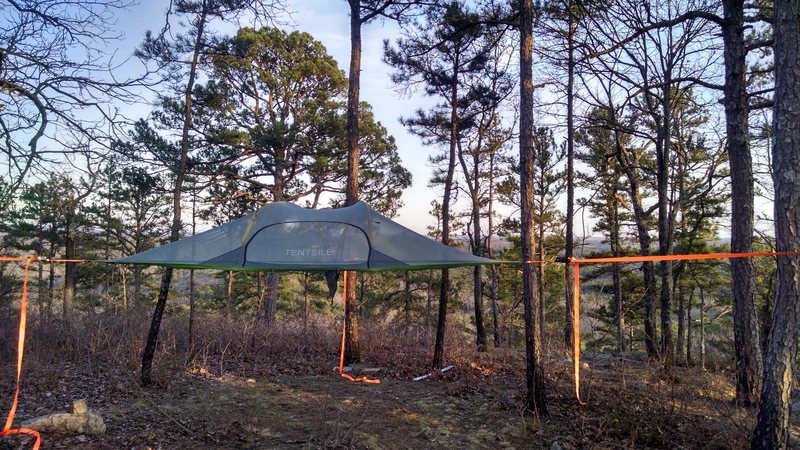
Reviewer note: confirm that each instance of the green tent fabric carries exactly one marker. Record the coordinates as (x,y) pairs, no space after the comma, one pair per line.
(286,237)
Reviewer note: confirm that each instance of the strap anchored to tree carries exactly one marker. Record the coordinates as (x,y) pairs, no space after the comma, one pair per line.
(344,338)
(23,321)
(576,327)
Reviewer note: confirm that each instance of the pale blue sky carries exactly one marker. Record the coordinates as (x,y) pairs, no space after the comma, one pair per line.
(328,22)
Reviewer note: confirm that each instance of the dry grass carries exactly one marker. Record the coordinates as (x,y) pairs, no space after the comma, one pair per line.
(475,405)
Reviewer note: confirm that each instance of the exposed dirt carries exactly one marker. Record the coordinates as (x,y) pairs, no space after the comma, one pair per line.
(630,405)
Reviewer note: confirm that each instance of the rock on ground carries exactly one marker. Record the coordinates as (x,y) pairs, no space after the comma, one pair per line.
(80,421)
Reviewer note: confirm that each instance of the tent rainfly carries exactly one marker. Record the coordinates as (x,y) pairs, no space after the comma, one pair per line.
(285,237)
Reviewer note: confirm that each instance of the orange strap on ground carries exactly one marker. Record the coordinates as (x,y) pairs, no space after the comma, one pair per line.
(344,337)
(23,321)
(576,327)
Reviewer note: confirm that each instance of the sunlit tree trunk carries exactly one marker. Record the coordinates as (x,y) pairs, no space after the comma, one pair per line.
(536,400)
(745,323)
(175,229)
(774,409)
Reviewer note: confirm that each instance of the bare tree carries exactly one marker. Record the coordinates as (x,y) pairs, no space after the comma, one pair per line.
(57,85)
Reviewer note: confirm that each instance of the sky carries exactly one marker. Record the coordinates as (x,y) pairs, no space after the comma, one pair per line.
(328,21)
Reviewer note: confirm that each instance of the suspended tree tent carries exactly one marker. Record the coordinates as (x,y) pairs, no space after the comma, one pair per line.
(284,237)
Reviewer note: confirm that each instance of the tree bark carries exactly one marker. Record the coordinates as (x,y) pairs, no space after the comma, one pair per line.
(438,350)
(191,275)
(352,351)
(540,267)
(535,399)
(569,244)
(689,357)
(40,290)
(616,277)
(679,342)
(175,230)
(665,224)
(774,409)
(642,233)
(493,269)
(428,302)
(477,274)
(51,280)
(271,283)
(69,253)
(306,302)
(702,329)
(229,295)
(745,322)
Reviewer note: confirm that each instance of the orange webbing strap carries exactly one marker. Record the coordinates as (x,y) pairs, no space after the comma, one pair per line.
(23,319)
(576,263)
(633,259)
(344,337)
(576,330)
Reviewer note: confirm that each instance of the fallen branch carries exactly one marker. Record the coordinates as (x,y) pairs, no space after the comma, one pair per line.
(422,377)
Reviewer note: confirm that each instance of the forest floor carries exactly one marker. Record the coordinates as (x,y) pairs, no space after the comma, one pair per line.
(277,388)
(629,406)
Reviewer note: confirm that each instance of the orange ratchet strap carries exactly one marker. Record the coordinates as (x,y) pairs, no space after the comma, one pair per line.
(576,330)
(23,320)
(344,334)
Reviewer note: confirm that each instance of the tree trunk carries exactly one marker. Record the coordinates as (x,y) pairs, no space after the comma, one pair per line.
(702,329)
(352,353)
(540,269)
(665,227)
(137,283)
(745,322)
(535,399)
(191,273)
(51,280)
(774,409)
(40,290)
(306,302)
(438,350)
(428,301)
(477,278)
(689,357)
(766,314)
(407,299)
(681,322)
(271,283)
(569,244)
(495,290)
(124,288)
(175,230)
(490,250)
(229,295)
(191,307)
(69,253)
(642,233)
(616,277)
